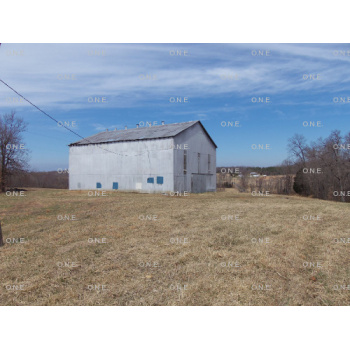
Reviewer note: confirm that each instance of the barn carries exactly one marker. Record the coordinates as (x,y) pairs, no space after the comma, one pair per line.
(162,158)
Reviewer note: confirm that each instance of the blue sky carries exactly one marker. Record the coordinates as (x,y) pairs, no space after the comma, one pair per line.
(303,83)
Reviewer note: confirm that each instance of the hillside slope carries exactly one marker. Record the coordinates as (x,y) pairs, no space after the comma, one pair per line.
(224,248)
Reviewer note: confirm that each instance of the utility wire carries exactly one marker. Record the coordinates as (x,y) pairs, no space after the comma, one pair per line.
(39,109)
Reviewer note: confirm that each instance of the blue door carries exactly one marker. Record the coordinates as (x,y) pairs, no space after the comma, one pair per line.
(115,185)
(160,180)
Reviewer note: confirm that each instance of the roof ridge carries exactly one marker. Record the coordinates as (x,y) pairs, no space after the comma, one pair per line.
(146,127)
(138,133)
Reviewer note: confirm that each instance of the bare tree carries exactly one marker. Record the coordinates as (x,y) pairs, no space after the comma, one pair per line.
(297,148)
(13,155)
(335,160)
(327,165)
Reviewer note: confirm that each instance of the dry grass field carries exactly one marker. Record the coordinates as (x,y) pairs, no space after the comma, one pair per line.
(224,248)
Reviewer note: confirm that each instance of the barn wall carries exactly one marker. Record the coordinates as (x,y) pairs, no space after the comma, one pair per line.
(134,162)
(196,180)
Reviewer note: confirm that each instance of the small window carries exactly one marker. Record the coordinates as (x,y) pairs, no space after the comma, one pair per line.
(115,185)
(160,180)
(185,162)
(150,180)
(98,185)
(208,163)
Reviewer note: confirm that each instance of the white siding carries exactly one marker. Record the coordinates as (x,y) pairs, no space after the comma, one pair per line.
(131,163)
(134,162)
(196,180)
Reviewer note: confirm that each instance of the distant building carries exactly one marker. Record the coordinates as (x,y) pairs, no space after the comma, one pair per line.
(254,174)
(174,157)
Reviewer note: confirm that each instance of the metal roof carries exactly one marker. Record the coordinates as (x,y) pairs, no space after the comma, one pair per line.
(136,134)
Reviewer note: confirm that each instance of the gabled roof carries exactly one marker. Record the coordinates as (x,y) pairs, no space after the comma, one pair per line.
(139,134)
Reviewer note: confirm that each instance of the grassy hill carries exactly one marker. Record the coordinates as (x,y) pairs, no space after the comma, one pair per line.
(224,248)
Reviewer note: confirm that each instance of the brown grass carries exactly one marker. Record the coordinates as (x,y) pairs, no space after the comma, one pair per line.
(145,262)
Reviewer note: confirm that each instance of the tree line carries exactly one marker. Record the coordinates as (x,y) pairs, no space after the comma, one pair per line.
(322,167)
(246,170)
(39,179)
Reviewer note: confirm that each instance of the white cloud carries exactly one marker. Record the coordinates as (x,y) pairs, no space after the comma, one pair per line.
(38,73)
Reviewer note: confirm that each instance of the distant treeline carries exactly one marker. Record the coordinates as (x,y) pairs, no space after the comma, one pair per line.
(244,170)
(319,169)
(322,167)
(49,179)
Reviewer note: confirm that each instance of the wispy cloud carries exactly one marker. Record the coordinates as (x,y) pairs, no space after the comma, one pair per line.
(69,77)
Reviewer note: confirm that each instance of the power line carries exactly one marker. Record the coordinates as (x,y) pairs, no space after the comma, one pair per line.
(39,109)
(56,121)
